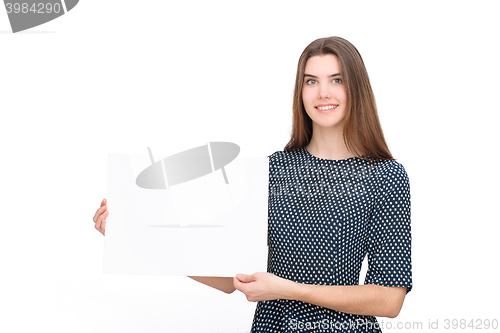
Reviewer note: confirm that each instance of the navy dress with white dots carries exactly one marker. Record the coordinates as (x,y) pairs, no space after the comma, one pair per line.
(325,216)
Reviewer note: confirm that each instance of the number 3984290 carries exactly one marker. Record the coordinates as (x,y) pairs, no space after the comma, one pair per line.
(36,8)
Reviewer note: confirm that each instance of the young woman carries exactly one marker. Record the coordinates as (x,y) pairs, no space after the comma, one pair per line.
(336,194)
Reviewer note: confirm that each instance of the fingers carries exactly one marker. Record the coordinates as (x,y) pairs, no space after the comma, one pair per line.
(101,222)
(246,288)
(245,278)
(100,217)
(101,210)
(238,284)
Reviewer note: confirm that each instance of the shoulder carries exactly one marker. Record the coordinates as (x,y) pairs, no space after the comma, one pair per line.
(284,156)
(391,169)
(393,186)
(391,174)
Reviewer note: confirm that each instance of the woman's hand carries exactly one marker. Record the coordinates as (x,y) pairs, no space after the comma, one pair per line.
(263,286)
(100,217)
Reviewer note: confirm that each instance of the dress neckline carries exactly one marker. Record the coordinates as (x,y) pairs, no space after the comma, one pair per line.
(325,159)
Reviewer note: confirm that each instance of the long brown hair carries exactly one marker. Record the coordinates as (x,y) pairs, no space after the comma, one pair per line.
(362,132)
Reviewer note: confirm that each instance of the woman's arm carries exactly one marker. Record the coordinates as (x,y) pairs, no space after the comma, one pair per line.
(225,284)
(369,300)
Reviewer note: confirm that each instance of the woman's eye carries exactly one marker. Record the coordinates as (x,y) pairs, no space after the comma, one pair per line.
(337,81)
(311,81)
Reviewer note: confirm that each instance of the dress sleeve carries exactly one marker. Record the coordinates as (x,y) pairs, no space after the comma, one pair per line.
(389,243)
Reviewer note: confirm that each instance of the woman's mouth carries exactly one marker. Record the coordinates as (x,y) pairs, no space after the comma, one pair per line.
(326,108)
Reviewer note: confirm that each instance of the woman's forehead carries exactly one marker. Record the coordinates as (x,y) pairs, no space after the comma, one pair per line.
(327,64)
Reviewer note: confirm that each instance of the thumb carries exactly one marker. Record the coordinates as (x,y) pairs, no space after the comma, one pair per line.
(245,278)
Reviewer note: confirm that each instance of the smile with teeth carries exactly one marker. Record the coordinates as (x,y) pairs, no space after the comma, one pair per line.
(328,107)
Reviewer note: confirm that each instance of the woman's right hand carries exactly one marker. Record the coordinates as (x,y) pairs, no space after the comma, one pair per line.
(100,217)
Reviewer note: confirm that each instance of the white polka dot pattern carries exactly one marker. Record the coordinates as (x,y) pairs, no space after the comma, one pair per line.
(325,216)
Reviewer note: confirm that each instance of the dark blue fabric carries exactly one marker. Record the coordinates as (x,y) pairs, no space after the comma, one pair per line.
(325,217)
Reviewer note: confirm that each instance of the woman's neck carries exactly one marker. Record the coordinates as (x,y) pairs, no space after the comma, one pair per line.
(328,144)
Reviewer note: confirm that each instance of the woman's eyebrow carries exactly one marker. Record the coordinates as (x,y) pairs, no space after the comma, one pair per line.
(314,76)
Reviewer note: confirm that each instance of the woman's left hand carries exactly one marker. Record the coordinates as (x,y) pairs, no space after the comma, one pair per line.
(263,286)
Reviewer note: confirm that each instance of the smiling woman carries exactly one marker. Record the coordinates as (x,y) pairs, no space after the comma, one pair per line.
(341,198)
(344,79)
(345,199)
(324,95)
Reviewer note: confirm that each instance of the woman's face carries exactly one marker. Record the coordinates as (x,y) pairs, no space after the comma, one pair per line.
(324,93)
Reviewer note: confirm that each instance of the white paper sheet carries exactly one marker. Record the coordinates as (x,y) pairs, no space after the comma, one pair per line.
(202,227)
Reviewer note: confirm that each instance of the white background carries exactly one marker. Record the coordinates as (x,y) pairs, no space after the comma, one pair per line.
(118,76)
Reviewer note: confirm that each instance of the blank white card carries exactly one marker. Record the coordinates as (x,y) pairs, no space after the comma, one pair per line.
(210,225)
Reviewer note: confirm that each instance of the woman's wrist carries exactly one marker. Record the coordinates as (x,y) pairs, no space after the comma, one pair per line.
(293,290)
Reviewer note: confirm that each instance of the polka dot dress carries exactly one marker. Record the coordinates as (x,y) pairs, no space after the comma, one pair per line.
(325,216)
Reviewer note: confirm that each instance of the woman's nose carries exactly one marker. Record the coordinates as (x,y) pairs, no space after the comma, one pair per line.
(324,92)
